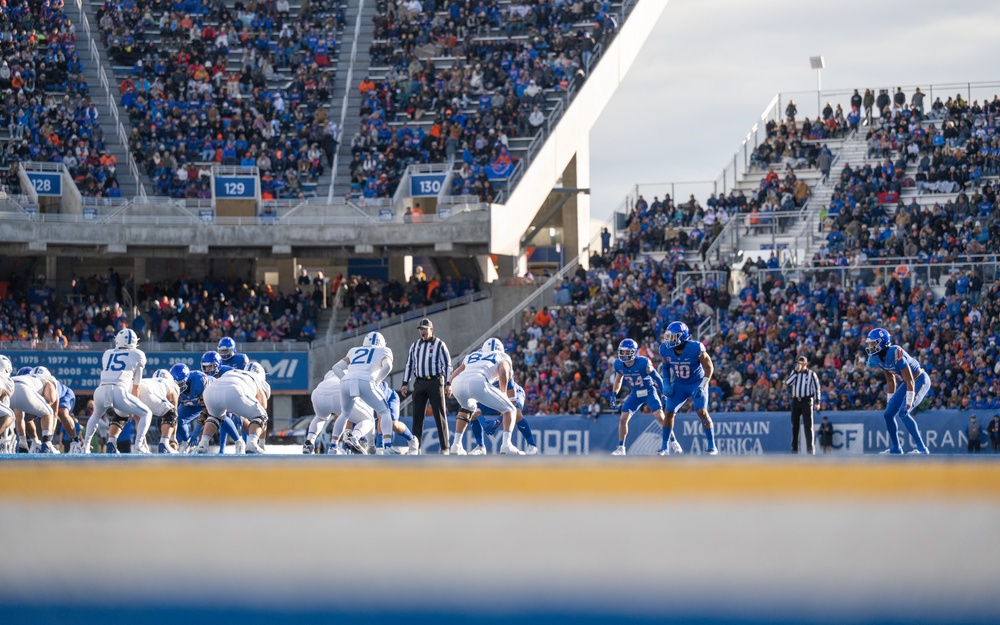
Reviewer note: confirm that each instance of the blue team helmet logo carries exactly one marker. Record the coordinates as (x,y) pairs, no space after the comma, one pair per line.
(878,339)
(227,347)
(180,373)
(211,362)
(627,350)
(676,333)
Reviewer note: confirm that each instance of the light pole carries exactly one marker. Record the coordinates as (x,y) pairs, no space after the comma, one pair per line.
(816,62)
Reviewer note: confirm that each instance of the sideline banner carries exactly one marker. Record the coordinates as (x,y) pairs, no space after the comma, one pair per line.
(736,434)
(81,371)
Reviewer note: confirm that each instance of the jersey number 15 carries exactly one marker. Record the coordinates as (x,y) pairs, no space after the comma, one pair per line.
(116,362)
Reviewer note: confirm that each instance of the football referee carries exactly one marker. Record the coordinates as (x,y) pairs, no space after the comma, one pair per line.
(428,364)
(804,385)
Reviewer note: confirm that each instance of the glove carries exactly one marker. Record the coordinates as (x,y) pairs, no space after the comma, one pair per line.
(490,426)
(614,403)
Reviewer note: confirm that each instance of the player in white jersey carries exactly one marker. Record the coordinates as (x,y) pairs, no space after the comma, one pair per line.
(64,407)
(361,372)
(160,394)
(326,404)
(472,384)
(243,393)
(34,397)
(8,440)
(121,373)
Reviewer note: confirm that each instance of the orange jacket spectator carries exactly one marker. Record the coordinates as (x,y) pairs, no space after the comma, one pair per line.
(543,318)
(366,86)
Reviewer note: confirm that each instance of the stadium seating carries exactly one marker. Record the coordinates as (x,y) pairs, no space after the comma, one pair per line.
(206,84)
(372,300)
(48,115)
(469,84)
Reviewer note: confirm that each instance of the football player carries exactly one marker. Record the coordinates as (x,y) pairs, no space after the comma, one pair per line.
(121,373)
(897,366)
(361,373)
(645,387)
(472,384)
(689,369)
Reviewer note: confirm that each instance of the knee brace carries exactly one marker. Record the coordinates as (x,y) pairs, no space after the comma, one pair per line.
(207,419)
(706,421)
(114,417)
(463,416)
(261,421)
(170,418)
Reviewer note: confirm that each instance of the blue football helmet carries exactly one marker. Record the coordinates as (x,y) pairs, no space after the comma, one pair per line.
(180,373)
(627,350)
(210,363)
(227,347)
(24,371)
(878,339)
(677,332)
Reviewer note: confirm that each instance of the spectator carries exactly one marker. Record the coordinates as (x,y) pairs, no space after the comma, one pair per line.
(974,433)
(826,435)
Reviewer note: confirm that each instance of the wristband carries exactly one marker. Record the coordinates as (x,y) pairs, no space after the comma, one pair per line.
(909,398)
(889,398)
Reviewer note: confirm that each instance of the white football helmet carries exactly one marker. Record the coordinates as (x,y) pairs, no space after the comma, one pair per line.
(5,365)
(256,370)
(374,339)
(162,373)
(41,371)
(126,339)
(493,345)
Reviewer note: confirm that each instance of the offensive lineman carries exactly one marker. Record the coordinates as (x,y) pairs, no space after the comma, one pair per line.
(515,392)
(64,407)
(121,373)
(244,393)
(8,440)
(160,394)
(472,384)
(897,365)
(34,397)
(690,369)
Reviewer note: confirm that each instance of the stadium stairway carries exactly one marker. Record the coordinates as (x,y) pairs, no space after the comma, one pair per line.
(358,18)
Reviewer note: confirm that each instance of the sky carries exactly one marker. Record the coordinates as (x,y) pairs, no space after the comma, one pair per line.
(710,67)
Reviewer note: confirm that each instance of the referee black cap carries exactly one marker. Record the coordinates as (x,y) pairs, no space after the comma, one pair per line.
(426,323)
(803,360)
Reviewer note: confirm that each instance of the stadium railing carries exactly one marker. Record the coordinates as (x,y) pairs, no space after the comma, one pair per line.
(156,346)
(416,313)
(921,272)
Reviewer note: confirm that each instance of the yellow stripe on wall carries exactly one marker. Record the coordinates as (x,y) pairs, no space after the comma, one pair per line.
(236,481)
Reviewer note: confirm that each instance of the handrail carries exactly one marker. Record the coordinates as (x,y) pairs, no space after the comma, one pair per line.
(410,315)
(349,79)
(95,57)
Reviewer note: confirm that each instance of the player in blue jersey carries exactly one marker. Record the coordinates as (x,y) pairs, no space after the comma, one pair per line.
(478,427)
(398,427)
(190,405)
(897,365)
(689,369)
(646,387)
(228,355)
(212,366)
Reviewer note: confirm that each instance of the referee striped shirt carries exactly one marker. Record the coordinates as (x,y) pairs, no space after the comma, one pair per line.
(428,358)
(803,384)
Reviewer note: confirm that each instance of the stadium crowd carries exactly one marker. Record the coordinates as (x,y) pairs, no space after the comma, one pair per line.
(45,97)
(479,72)
(371,300)
(189,110)
(183,310)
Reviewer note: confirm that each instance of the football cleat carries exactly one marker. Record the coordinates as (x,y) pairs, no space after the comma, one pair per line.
(76,447)
(392,451)
(201,448)
(891,452)
(664,452)
(110,448)
(619,451)
(335,450)
(414,446)
(675,447)
(509,450)
(140,448)
(47,448)
(252,447)
(353,445)
(478,450)
(712,452)
(920,452)
(36,446)
(379,451)
(241,447)
(457,450)
(531,451)
(308,448)
(164,448)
